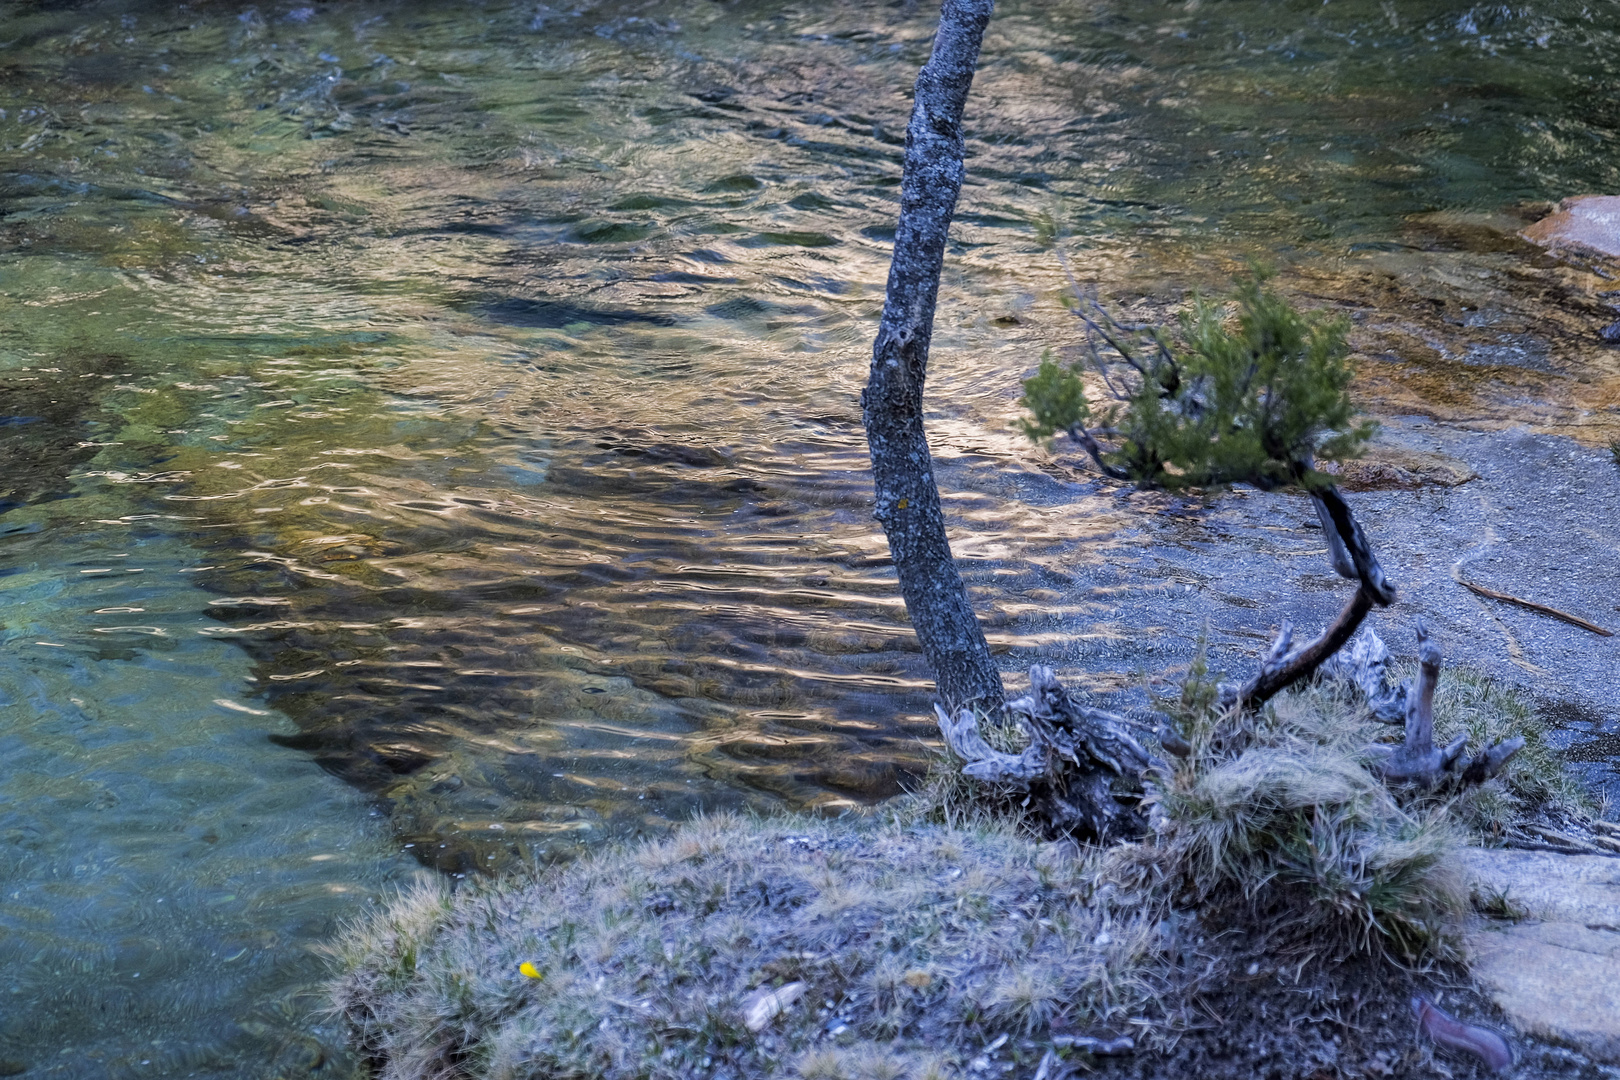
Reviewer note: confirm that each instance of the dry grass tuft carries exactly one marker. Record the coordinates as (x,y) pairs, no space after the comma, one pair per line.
(946,797)
(1273,821)
(920,945)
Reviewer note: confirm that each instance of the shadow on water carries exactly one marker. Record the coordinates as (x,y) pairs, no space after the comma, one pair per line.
(465,401)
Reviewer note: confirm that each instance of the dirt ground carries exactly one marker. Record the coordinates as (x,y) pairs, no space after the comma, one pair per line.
(1349,1021)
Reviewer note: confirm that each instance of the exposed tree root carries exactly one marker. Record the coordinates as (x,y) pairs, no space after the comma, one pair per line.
(1084,774)
(1083,770)
(1364,664)
(1417,760)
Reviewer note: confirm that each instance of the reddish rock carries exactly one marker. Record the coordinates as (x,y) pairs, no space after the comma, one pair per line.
(1588,223)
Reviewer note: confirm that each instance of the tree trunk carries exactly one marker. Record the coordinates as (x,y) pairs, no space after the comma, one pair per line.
(907,502)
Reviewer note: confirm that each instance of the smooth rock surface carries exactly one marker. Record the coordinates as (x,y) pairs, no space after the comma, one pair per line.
(1557,974)
(1155,574)
(1588,222)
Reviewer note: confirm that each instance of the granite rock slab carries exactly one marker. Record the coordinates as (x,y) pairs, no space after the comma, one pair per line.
(1587,223)
(1556,973)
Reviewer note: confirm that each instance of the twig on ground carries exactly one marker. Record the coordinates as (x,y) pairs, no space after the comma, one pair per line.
(1573,620)
(1556,849)
(1556,837)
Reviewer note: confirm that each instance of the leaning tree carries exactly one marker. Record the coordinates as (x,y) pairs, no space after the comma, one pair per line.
(891,406)
(1252,396)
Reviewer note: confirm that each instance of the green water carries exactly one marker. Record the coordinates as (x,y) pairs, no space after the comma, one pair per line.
(430,431)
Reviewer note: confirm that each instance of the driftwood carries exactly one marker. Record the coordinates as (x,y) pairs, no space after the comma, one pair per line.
(1364,664)
(1083,770)
(1417,760)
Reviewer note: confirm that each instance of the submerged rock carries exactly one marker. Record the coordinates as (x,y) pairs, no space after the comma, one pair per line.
(1387,467)
(1588,223)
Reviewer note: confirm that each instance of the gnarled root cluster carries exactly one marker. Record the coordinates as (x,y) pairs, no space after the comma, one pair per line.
(1084,774)
(1364,664)
(1417,760)
(1083,770)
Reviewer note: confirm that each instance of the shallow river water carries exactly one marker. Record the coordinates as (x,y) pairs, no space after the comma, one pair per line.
(430,432)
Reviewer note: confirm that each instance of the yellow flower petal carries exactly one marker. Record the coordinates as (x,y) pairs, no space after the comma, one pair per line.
(529,969)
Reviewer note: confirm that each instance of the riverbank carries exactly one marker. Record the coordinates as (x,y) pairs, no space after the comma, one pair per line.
(466,397)
(1277,922)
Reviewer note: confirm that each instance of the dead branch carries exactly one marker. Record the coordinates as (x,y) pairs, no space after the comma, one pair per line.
(1573,620)
(1351,552)
(1075,758)
(1352,557)
(1282,667)
(1091,446)
(1417,760)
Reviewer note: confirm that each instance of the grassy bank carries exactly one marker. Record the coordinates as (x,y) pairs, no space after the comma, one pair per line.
(941,936)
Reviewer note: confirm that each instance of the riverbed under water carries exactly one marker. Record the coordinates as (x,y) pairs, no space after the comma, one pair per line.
(431,438)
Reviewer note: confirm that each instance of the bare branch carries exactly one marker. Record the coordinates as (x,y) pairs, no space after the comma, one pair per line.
(1094,448)
(1113,342)
(1281,667)
(1087,298)
(1337,554)
(1341,526)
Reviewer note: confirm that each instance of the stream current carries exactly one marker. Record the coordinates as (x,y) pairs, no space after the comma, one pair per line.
(431,437)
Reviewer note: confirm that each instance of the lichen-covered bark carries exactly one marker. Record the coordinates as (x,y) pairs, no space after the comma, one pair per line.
(907,502)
